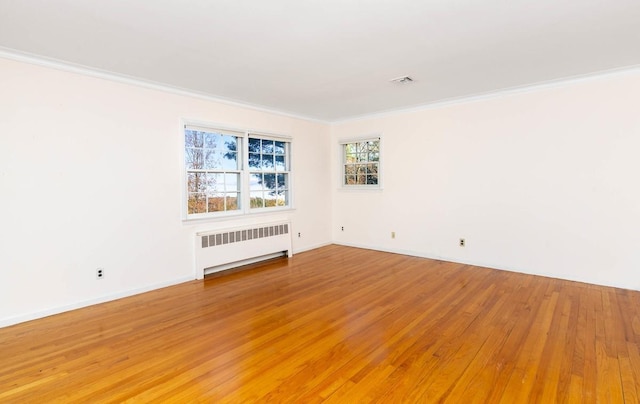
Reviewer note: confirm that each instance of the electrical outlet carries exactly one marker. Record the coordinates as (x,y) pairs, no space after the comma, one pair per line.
(99,273)
(299,235)
(342,228)
(393,234)
(462,242)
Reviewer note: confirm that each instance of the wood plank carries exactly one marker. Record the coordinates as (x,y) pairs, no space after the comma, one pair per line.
(337,324)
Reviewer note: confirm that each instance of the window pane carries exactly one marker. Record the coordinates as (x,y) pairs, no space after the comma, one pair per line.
(213,183)
(194,159)
(269,199)
(232,182)
(256,200)
(232,200)
(267,146)
(282,183)
(230,161)
(349,179)
(362,147)
(280,148)
(350,148)
(282,198)
(197,203)
(254,160)
(280,163)
(192,138)
(267,162)
(372,179)
(361,179)
(254,145)
(255,182)
(269,181)
(350,153)
(212,159)
(230,152)
(196,182)
(374,156)
(215,202)
(350,169)
(211,140)
(228,143)
(218,160)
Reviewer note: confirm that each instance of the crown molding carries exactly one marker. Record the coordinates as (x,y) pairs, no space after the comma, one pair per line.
(556,83)
(25,57)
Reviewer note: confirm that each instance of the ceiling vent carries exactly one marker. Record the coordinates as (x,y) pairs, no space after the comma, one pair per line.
(402,80)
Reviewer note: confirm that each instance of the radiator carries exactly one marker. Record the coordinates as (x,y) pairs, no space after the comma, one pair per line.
(222,249)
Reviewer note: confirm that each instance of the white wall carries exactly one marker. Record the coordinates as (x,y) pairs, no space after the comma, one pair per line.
(90,176)
(544,182)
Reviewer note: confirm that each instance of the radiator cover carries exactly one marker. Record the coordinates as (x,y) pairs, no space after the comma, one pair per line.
(217,250)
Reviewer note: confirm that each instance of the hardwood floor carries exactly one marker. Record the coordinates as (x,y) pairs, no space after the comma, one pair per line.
(337,325)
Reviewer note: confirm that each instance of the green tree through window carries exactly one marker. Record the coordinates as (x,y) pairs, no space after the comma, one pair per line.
(268,166)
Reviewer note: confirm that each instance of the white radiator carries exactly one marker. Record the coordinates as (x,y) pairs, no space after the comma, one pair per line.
(217,250)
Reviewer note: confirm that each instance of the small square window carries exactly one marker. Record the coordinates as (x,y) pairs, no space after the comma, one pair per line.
(361,163)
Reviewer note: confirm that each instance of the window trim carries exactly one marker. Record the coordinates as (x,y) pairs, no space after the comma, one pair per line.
(360,187)
(245,208)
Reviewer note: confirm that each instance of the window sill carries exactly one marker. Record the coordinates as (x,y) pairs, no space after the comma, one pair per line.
(360,188)
(236,216)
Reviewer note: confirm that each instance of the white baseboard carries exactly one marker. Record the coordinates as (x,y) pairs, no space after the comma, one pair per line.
(5,322)
(586,280)
(312,247)
(21,318)
(396,251)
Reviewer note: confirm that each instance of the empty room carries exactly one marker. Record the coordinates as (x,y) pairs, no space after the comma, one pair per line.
(319,201)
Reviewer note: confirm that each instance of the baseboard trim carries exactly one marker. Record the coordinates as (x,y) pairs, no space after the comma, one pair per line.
(5,322)
(311,247)
(618,285)
(21,318)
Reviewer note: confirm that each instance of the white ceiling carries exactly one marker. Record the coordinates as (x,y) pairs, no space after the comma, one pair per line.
(331,59)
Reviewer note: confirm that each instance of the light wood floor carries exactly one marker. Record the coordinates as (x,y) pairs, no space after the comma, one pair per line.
(341,325)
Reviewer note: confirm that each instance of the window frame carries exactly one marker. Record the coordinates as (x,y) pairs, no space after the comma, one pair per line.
(244,171)
(343,162)
(215,171)
(286,171)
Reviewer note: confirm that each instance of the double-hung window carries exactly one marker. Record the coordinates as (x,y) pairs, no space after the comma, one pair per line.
(231,172)
(361,163)
(268,172)
(213,170)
